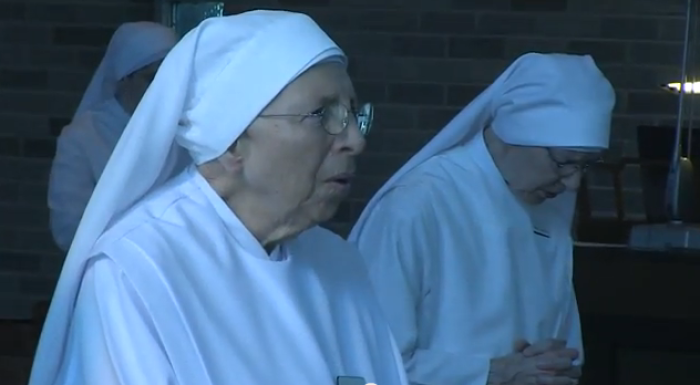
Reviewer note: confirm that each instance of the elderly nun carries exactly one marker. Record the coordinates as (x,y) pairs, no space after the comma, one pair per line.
(84,146)
(469,245)
(221,275)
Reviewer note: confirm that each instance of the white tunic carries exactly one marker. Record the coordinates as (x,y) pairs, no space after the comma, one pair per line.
(179,292)
(82,151)
(461,273)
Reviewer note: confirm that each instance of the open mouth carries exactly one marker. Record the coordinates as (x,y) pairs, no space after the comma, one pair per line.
(547,194)
(343,180)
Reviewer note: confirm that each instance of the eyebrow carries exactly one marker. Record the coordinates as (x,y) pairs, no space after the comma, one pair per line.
(330,99)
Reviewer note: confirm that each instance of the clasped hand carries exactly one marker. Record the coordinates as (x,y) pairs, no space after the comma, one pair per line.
(547,362)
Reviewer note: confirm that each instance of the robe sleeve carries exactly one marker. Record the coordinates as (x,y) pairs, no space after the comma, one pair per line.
(70,186)
(396,243)
(573,332)
(112,339)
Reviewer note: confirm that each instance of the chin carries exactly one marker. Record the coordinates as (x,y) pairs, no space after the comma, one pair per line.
(326,210)
(533,199)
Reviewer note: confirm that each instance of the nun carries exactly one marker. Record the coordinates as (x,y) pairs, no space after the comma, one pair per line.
(84,146)
(221,275)
(469,244)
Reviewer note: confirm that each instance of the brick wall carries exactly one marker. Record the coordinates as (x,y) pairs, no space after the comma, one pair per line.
(48,50)
(419,61)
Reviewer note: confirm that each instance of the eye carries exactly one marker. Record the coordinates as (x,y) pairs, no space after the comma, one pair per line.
(318,112)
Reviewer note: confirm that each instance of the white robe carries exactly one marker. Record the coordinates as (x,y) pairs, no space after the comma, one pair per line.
(460,272)
(179,292)
(82,151)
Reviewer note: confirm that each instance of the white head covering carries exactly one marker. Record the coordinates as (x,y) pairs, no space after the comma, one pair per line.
(209,89)
(132,47)
(542,100)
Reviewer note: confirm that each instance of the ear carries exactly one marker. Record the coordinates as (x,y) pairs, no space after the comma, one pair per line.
(231,162)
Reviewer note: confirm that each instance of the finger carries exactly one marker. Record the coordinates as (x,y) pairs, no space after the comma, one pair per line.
(569,353)
(520,345)
(556,364)
(548,379)
(544,346)
(573,373)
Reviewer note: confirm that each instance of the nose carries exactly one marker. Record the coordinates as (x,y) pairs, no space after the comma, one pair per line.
(352,141)
(573,181)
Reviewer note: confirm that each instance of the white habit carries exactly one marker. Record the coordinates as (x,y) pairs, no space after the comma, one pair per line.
(177,291)
(85,145)
(454,257)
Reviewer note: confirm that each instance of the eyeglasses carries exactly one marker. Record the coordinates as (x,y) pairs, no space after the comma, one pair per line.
(335,118)
(571,167)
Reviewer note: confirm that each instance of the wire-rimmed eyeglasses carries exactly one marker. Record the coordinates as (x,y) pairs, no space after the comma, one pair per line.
(335,118)
(571,167)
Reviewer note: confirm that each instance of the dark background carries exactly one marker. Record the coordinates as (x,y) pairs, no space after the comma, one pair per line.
(419,61)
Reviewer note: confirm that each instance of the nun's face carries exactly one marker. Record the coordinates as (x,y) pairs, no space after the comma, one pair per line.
(297,169)
(131,89)
(543,173)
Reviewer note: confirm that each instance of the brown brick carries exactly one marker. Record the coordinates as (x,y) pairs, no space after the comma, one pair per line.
(12,11)
(362,43)
(418,46)
(481,5)
(639,77)
(476,48)
(39,240)
(25,34)
(460,96)
(82,36)
(19,262)
(303,3)
(601,51)
(432,119)
(39,148)
(373,164)
(23,79)
(630,28)
(9,193)
(386,21)
(518,47)
(672,29)
(369,91)
(652,102)
(656,53)
(421,94)
(56,125)
(453,23)
(37,285)
(9,146)
(539,5)
(557,25)
(395,118)
(505,24)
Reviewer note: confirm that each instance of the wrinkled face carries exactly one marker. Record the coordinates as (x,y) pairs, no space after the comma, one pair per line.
(538,173)
(134,86)
(290,160)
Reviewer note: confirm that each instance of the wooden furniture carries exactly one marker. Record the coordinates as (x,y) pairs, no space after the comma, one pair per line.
(639,310)
(18,339)
(640,316)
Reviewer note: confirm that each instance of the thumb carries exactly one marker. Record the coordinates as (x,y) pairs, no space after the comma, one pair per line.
(519,345)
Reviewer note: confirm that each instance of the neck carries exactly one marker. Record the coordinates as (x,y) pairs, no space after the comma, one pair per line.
(269,228)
